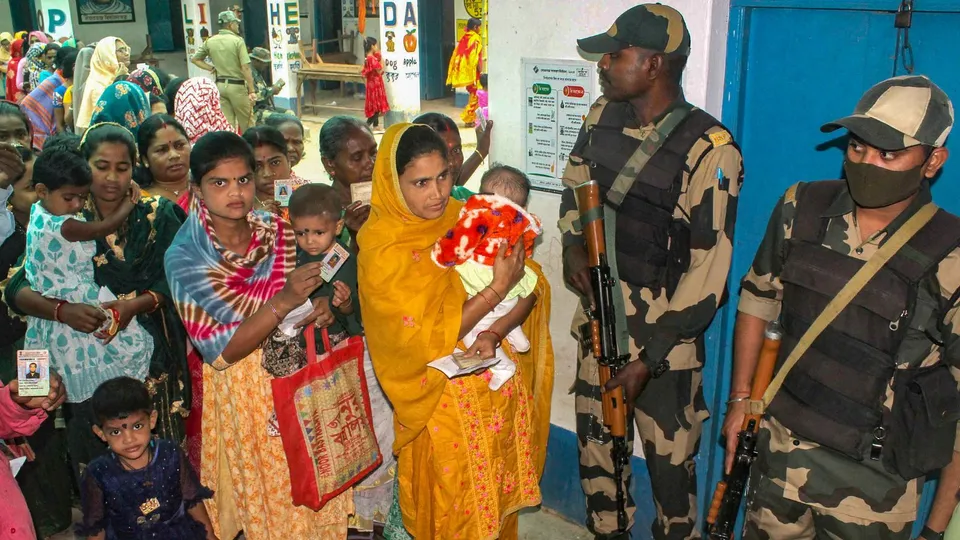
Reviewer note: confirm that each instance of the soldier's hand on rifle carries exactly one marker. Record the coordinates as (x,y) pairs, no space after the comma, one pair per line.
(508,269)
(576,271)
(633,378)
(732,425)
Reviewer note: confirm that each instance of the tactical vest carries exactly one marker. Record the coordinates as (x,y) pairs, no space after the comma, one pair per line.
(834,395)
(653,248)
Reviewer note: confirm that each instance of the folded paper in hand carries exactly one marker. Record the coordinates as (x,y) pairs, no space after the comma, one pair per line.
(457,364)
(294,317)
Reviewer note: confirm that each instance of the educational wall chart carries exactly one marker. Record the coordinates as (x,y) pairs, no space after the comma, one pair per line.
(557,97)
(197,28)
(399,45)
(284,27)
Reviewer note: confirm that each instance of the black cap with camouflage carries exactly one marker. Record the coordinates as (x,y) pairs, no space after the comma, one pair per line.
(898,113)
(648,26)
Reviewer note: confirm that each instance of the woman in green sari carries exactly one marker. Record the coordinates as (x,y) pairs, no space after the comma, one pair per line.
(130,264)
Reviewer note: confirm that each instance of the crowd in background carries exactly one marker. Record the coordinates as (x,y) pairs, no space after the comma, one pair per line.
(130,182)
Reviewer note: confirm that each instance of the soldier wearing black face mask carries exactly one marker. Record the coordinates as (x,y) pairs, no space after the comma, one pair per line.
(872,406)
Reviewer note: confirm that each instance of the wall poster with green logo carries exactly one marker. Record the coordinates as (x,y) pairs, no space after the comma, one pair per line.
(558,95)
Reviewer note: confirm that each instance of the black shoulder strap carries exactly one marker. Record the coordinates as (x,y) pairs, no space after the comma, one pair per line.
(812,201)
(693,127)
(932,244)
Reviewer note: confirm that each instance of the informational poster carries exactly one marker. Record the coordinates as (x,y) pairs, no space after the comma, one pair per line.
(197,28)
(54,18)
(105,11)
(557,97)
(284,28)
(399,45)
(348,8)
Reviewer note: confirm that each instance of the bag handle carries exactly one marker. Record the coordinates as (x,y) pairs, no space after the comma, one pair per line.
(848,293)
(310,335)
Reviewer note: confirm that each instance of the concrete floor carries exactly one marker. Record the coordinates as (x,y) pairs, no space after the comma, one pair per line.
(534,525)
(332,104)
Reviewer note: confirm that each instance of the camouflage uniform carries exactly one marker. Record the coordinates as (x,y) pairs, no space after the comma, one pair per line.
(800,489)
(670,413)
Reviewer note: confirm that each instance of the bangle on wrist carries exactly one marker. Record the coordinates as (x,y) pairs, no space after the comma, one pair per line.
(56,310)
(274,310)
(156,300)
(496,335)
(485,299)
(500,296)
(733,400)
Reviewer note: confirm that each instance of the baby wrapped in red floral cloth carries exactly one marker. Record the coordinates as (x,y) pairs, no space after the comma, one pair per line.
(486,221)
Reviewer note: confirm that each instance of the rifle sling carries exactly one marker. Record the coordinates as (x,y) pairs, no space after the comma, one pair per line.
(847,294)
(615,195)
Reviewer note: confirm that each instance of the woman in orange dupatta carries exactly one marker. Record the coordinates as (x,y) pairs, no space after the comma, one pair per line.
(469,458)
(465,68)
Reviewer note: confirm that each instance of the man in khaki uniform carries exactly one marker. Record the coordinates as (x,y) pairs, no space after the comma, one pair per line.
(231,67)
(831,447)
(675,205)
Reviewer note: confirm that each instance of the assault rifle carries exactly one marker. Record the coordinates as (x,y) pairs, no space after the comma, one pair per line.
(599,334)
(722,516)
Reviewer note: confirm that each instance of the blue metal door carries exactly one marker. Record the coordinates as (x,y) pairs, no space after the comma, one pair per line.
(793,65)
(433,72)
(160,25)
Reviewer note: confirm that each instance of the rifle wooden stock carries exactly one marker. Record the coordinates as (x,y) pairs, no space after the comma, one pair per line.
(600,334)
(722,515)
(613,403)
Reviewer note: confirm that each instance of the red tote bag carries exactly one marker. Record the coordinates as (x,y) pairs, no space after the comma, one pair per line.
(323,412)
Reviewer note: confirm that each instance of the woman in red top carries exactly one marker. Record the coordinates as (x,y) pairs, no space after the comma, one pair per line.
(16,54)
(376,103)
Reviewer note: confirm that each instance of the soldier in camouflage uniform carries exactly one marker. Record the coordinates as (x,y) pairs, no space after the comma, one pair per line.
(674,233)
(815,484)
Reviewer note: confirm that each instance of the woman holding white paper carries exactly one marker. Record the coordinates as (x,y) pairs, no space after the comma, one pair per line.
(348,151)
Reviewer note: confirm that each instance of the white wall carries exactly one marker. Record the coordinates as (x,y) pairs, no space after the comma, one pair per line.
(549,29)
(6,17)
(133,33)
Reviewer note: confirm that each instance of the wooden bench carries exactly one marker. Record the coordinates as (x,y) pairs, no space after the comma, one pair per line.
(335,66)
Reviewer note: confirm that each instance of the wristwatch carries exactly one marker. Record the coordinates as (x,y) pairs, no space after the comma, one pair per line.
(656,370)
(929,534)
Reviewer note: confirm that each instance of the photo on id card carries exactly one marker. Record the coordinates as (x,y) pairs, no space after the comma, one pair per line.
(283,190)
(333,261)
(33,373)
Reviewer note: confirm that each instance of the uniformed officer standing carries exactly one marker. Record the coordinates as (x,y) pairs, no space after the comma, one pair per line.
(231,67)
(872,404)
(675,199)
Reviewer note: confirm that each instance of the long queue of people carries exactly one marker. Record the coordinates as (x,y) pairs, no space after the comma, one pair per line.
(143,249)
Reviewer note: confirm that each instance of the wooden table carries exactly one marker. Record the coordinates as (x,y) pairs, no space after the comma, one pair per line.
(343,73)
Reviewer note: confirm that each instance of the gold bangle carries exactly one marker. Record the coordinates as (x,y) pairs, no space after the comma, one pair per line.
(274,310)
(156,300)
(480,294)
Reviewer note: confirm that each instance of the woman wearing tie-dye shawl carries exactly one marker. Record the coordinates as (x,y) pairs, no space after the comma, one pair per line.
(232,275)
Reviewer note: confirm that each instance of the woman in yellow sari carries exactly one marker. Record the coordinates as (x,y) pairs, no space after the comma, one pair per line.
(469,458)
(110,59)
(465,68)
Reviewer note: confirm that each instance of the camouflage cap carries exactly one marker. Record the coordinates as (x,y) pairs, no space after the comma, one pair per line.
(261,54)
(226,17)
(649,26)
(898,113)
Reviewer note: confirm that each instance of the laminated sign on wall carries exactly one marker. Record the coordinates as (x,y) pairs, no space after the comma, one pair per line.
(557,97)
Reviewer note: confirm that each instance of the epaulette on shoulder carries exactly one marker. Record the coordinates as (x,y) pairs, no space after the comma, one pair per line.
(790,196)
